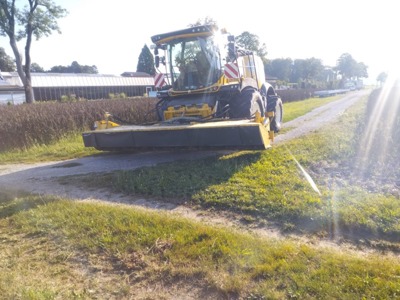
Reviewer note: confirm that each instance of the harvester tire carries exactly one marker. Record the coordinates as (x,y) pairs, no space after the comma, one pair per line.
(246,104)
(277,108)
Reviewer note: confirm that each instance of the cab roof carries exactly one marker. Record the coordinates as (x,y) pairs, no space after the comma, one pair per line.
(203,30)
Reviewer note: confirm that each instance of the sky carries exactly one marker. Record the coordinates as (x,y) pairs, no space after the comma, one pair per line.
(111,34)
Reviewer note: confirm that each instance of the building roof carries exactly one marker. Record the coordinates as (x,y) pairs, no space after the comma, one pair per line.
(11,79)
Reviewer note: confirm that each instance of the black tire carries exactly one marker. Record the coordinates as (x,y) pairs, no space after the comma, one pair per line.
(275,105)
(246,104)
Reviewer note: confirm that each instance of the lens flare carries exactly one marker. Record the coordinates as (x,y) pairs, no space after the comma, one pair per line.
(306,175)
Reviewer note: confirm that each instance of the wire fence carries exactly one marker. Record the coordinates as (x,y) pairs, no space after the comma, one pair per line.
(12,97)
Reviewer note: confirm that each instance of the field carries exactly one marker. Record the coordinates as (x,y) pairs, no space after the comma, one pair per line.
(25,126)
(315,218)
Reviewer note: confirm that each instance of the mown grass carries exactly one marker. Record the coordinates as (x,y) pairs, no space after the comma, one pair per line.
(269,187)
(293,110)
(55,248)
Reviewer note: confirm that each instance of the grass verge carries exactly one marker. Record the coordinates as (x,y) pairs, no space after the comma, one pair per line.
(54,248)
(293,110)
(66,148)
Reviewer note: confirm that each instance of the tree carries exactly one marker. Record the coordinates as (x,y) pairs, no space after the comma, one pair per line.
(361,70)
(36,19)
(89,69)
(75,67)
(146,61)
(59,69)
(298,70)
(346,65)
(35,68)
(382,77)
(307,71)
(251,42)
(349,68)
(313,68)
(7,64)
(280,68)
(206,21)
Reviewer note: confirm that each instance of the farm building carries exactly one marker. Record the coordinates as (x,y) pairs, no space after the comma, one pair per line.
(54,86)
(11,90)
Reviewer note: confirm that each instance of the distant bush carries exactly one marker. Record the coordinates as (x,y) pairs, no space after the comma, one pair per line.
(69,98)
(295,94)
(22,126)
(116,96)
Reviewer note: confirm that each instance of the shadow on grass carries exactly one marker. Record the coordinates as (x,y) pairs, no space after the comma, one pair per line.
(13,202)
(179,181)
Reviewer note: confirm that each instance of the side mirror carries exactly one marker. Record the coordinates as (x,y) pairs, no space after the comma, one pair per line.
(157,61)
(232,51)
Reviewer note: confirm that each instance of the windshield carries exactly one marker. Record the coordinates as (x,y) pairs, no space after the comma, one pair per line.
(194,63)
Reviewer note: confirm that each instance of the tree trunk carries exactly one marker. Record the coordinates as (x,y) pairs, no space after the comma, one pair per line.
(26,80)
(29,95)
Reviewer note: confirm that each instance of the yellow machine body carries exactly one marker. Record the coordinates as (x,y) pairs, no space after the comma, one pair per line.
(213,96)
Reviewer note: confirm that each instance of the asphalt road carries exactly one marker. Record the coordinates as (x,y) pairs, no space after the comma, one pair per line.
(39,177)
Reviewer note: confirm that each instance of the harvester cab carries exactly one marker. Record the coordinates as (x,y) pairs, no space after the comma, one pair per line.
(211,93)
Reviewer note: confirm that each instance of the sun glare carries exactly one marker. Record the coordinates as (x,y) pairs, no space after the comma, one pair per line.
(380,124)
